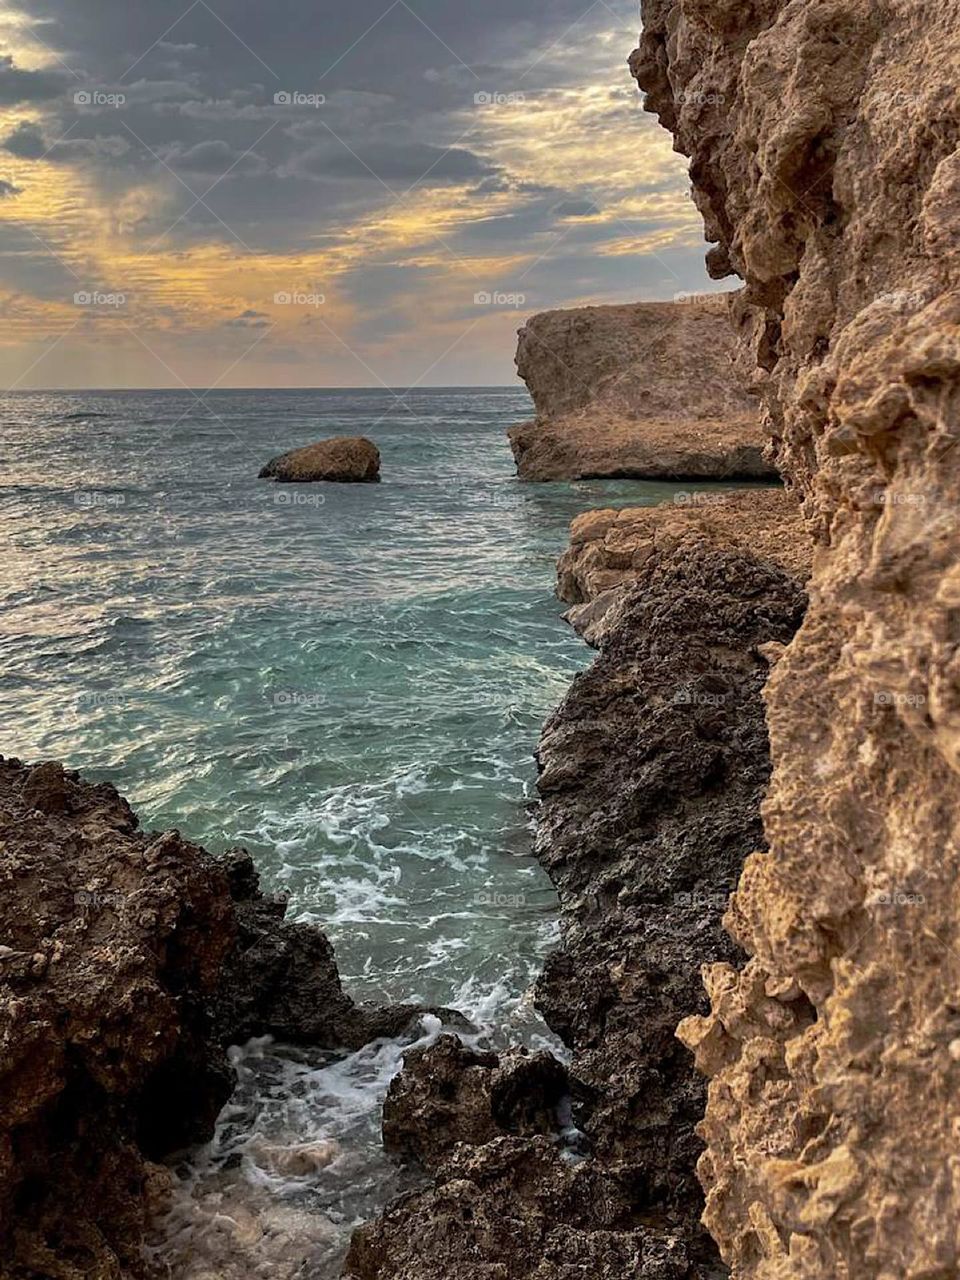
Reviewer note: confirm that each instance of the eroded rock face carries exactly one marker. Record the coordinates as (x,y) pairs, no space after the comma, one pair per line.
(825,147)
(449,1093)
(647,390)
(128,961)
(652,773)
(343,459)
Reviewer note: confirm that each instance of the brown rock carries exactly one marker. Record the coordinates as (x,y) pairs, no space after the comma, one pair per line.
(647,390)
(825,146)
(345,459)
(128,962)
(448,1093)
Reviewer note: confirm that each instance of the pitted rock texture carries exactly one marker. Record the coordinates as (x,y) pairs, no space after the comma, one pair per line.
(648,390)
(609,549)
(128,961)
(449,1093)
(343,459)
(825,154)
(652,773)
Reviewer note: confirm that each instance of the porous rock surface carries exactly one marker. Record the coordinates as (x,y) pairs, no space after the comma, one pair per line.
(449,1093)
(652,772)
(128,961)
(344,459)
(825,155)
(647,390)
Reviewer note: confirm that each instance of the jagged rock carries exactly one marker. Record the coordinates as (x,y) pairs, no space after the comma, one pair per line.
(647,390)
(609,549)
(825,148)
(514,1209)
(345,459)
(448,1093)
(129,960)
(652,773)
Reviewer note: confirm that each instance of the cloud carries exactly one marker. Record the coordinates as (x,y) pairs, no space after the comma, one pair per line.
(214,158)
(8,189)
(19,86)
(249,319)
(405,163)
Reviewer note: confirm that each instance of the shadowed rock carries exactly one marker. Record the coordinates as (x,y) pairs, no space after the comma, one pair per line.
(129,960)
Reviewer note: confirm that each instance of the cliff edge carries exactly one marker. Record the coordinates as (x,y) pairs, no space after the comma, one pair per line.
(647,391)
(825,155)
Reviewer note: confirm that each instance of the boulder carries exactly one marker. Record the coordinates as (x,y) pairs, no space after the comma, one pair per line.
(343,459)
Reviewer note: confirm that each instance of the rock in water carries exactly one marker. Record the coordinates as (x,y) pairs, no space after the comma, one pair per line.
(129,961)
(648,390)
(824,139)
(343,459)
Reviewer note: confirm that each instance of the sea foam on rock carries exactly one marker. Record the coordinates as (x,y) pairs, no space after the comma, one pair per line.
(129,960)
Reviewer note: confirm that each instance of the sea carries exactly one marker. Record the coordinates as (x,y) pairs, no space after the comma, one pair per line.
(349,681)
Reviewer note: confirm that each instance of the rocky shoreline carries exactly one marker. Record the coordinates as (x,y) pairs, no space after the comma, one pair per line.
(130,961)
(652,773)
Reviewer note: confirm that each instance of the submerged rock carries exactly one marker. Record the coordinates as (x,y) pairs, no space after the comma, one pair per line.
(344,459)
(647,390)
(825,154)
(129,960)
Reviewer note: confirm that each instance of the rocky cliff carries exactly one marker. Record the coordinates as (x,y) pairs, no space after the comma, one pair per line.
(651,775)
(647,390)
(128,962)
(824,140)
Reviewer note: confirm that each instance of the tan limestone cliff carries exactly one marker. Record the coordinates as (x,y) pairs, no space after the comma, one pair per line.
(648,390)
(825,147)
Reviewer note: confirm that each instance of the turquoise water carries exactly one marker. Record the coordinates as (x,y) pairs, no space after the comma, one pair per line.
(347,679)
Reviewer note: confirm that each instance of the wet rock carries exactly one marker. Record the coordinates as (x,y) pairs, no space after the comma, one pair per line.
(128,962)
(343,459)
(647,390)
(825,154)
(448,1093)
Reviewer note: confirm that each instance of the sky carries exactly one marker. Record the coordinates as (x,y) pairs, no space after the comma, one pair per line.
(281,193)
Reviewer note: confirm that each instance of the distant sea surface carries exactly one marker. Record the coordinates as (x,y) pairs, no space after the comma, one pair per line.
(349,680)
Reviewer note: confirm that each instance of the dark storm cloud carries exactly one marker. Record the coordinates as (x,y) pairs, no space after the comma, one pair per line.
(8,189)
(402,164)
(19,86)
